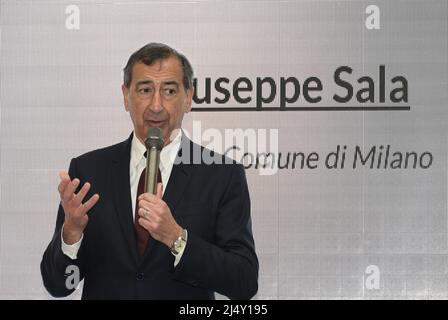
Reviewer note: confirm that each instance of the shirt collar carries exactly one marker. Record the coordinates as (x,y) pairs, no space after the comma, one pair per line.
(169,152)
(138,150)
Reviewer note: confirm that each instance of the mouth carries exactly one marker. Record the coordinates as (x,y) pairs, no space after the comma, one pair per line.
(153,123)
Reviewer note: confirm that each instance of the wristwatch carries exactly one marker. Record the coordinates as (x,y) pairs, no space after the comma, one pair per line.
(179,243)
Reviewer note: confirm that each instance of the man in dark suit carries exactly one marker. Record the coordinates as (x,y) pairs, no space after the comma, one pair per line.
(190,240)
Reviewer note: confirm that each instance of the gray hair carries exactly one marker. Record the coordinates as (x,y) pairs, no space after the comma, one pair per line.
(153,52)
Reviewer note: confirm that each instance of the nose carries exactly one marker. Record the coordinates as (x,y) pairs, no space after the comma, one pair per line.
(156,102)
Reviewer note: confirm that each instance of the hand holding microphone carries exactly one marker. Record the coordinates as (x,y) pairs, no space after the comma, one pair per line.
(155,215)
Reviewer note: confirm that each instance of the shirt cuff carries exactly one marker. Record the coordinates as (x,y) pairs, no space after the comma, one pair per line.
(71,250)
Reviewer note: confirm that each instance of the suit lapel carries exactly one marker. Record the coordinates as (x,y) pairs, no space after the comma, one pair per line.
(122,194)
(180,174)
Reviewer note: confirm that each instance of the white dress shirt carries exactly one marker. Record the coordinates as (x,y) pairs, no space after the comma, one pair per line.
(136,166)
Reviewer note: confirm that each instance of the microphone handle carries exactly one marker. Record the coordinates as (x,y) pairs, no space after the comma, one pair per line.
(152,169)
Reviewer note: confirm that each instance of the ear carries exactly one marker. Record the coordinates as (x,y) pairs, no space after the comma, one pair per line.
(189,100)
(125,92)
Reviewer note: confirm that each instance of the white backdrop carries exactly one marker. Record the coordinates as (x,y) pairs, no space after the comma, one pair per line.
(320,233)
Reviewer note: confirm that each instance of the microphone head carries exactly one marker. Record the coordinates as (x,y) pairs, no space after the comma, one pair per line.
(154,138)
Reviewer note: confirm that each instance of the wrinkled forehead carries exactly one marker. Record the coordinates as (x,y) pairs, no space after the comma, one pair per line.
(159,71)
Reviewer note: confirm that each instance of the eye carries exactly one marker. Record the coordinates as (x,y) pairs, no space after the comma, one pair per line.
(169,91)
(145,90)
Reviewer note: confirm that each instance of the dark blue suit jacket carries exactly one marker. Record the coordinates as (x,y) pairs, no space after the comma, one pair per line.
(210,200)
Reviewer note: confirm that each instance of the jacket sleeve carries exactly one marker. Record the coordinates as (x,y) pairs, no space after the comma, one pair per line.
(228,266)
(56,268)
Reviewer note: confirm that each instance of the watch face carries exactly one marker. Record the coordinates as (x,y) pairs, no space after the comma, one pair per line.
(177,246)
(179,243)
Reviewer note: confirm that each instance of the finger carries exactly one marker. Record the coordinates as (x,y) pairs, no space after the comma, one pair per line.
(159,190)
(64,175)
(149,208)
(77,199)
(90,203)
(62,185)
(148,197)
(65,180)
(145,224)
(143,203)
(70,189)
(144,213)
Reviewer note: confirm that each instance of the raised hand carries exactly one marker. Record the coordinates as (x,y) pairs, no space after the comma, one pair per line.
(76,217)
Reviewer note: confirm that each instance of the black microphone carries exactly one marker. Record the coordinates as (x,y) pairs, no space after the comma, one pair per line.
(154,144)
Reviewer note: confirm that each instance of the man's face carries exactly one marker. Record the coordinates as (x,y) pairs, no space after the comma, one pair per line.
(157,97)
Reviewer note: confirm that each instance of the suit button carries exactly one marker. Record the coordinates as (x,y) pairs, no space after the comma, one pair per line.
(140,276)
